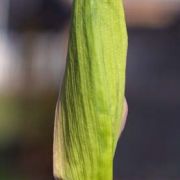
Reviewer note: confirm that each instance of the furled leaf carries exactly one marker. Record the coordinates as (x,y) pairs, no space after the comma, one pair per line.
(89,111)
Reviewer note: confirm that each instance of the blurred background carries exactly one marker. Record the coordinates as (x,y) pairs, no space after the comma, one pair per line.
(33,45)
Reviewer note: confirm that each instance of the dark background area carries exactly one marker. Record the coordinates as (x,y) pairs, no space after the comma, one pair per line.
(150,146)
(33,48)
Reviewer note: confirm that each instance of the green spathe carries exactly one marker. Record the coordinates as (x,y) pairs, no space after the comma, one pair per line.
(89,113)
